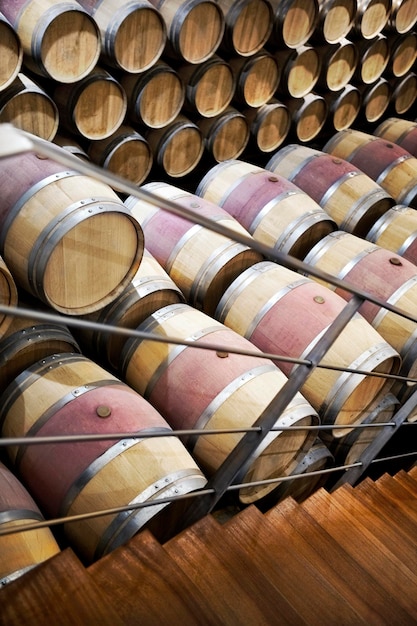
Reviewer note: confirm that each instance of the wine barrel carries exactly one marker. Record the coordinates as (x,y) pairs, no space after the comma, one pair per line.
(150,289)
(71,144)
(335,21)
(176,148)
(201,262)
(308,115)
(133,34)
(23,550)
(66,238)
(300,70)
(248,25)
(273,210)
(337,64)
(294,22)
(403,16)
(93,107)
(403,54)
(145,104)
(404,94)
(373,59)
(209,86)
(12,53)
(68,394)
(195,28)
(396,230)
(125,153)
(207,389)
(257,78)
(8,295)
(59,38)
(375,100)
(225,135)
(350,197)
(383,275)
(392,167)
(284,313)
(28,107)
(269,125)
(343,107)
(371,18)
(400,131)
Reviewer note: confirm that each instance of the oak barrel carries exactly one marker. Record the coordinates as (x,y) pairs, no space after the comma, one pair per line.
(209,389)
(294,22)
(403,16)
(308,115)
(248,25)
(11,53)
(269,124)
(382,274)
(8,295)
(300,70)
(373,59)
(257,77)
(200,261)
(403,54)
(59,38)
(371,18)
(396,230)
(68,394)
(343,107)
(404,94)
(225,135)
(338,63)
(375,100)
(21,551)
(273,210)
(66,238)
(400,131)
(284,313)
(350,197)
(335,21)
(388,164)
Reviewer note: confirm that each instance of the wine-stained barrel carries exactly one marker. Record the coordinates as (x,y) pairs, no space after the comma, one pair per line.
(12,53)
(272,209)
(390,165)
(208,389)
(396,230)
(133,34)
(353,199)
(382,274)
(150,289)
(60,39)
(284,313)
(200,261)
(68,394)
(66,238)
(21,551)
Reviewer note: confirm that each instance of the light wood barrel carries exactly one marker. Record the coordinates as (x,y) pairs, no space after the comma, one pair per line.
(248,25)
(209,86)
(284,313)
(350,197)
(28,340)
(403,54)
(225,135)
(195,28)
(294,22)
(93,107)
(400,131)
(404,94)
(403,16)
(201,262)
(133,34)
(373,58)
(207,389)
(150,290)
(300,70)
(375,100)
(8,295)
(11,53)
(145,104)
(343,107)
(338,63)
(60,39)
(24,550)
(67,238)
(335,21)
(308,115)
(68,394)
(371,17)
(392,167)
(396,230)
(269,124)
(177,148)
(257,78)
(125,153)
(382,274)
(273,210)
(28,107)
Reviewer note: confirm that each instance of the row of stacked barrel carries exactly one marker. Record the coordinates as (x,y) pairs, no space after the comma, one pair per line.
(178,327)
(142,84)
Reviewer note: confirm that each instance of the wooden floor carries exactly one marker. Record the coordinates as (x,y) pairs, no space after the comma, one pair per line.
(345,558)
